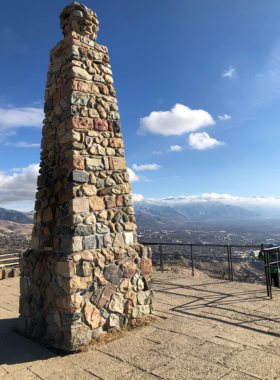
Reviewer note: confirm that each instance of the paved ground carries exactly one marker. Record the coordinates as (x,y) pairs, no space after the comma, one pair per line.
(211,329)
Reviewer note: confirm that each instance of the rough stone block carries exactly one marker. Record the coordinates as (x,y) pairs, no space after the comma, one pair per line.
(77,176)
(100,125)
(74,162)
(146,267)
(78,205)
(65,268)
(79,123)
(113,274)
(117,163)
(96,203)
(71,244)
(94,164)
(89,242)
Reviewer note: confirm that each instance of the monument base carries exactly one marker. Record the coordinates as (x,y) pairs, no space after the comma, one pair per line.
(68,300)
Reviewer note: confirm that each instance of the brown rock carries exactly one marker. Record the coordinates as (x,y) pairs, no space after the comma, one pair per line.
(88,190)
(47,215)
(124,188)
(119,252)
(118,241)
(79,123)
(109,255)
(132,297)
(113,274)
(65,268)
(127,307)
(146,267)
(71,286)
(69,304)
(38,270)
(110,202)
(100,260)
(119,201)
(110,214)
(50,299)
(100,125)
(129,268)
(105,191)
(87,269)
(96,203)
(103,89)
(87,87)
(66,194)
(78,205)
(125,286)
(24,308)
(148,281)
(86,255)
(116,143)
(129,226)
(69,86)
(74,162)
(108,291)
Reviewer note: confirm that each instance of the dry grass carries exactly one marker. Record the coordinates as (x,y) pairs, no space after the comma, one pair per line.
(133,325)
(7,227)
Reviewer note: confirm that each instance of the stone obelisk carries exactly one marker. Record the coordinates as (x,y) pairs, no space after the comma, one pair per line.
(85,272)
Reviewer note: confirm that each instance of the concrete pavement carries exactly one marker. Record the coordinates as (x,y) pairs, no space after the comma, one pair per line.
(210,329)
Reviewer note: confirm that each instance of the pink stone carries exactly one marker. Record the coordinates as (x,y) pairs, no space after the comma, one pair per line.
(92,316)
(129,268)
(100,125)
(108,291)
(79,123)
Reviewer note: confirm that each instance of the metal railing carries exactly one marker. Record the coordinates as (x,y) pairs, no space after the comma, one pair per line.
(191,256)
(270,264)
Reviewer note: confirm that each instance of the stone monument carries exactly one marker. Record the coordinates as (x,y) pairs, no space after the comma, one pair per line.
(85,272)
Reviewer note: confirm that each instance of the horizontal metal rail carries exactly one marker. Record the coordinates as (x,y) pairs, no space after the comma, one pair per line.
(230,258)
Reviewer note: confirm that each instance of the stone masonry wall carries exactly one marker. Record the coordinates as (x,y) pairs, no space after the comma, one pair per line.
(85,272)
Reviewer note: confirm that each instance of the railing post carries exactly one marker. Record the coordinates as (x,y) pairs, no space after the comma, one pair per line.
(228,248)
(231,268)
(192,260)
(161,258)
(277,258)
(266,268)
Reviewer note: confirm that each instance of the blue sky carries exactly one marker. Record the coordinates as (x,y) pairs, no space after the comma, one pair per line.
(220,57)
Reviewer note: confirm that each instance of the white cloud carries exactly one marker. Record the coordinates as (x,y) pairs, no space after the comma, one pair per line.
(137,197)
(22,144)
(19,186)
(175,148)
(15,170)
(139,168)
(133,177)
(179,120)
(212,197)
(225,117)
(265,87)
(203,141)
(229,73)
(156,152)
(12,117)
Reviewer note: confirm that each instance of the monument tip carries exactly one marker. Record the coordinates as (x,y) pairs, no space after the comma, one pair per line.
(80,19)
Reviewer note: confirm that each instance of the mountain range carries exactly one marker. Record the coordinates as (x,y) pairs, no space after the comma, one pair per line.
(15,216)
(150,214)
(147,213)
